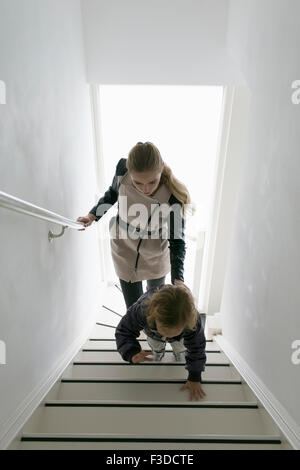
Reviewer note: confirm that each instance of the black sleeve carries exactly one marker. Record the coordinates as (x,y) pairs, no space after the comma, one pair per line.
(195,343)
(111,195)
(128,330)
(176,239)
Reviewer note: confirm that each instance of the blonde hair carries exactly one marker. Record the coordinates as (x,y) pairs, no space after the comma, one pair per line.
(172,306)
(146,157)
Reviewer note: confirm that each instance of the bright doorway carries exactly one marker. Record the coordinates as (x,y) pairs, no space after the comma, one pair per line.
(184,123)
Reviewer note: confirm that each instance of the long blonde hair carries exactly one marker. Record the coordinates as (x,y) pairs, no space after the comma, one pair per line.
(146,157)
(172,306)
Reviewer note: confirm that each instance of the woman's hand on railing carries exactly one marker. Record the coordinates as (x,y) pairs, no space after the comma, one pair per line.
(87,220)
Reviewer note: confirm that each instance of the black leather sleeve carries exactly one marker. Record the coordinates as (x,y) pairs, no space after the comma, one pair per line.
(176,240)
(111,195)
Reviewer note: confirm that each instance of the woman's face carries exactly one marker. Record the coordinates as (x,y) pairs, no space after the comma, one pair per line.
(146,182)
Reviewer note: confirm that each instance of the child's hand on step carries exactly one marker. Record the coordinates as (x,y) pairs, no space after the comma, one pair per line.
(142,356)
(196,391)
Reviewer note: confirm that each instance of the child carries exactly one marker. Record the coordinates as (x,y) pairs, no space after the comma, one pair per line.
(165,313)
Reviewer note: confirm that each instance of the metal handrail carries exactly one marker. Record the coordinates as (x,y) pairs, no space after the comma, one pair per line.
(15,204)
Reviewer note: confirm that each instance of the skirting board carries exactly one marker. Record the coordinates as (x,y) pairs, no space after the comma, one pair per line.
(289,428)
(14,425)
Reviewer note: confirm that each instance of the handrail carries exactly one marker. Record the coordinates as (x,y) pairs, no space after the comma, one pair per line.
(15,204)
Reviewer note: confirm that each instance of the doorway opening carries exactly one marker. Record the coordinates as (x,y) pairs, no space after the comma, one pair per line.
(184,123)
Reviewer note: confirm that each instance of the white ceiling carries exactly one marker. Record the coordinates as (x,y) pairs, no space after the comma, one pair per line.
(157,42)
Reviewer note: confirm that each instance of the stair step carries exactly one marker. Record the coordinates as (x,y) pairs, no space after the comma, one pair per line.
(108,357)
(184,423)
(149,404)
(110,345)
(140,392)
(142,371)
(36,442)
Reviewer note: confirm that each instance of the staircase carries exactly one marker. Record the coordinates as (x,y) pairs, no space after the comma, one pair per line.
(101,402)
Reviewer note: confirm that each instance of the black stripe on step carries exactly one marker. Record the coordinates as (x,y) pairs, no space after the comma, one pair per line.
(141,339)
(163,440)
(144,405)
(108,339)
(148,350)
(145,381)
(113,311)
(169,364)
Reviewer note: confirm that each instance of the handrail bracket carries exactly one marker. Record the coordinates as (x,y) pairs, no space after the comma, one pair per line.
(52,235)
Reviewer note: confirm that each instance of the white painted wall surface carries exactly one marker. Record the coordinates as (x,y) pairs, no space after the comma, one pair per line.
(48,292)
(261,299)
(175,42)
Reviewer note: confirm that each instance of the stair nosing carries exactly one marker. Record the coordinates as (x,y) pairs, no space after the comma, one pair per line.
(163,381)
(234,439)
(159,364)
(139,339)
(148,350)
(147,404)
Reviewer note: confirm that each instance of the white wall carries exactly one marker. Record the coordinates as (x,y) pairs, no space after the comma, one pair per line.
(261,299)
(157,42)
(48,292)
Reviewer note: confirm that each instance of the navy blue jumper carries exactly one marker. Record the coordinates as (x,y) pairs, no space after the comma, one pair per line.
(135,320)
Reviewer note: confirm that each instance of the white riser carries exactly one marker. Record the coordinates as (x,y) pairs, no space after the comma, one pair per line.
(163,393)
(147,371)
(210,346)
(147,422)
(142,446)
(91,356)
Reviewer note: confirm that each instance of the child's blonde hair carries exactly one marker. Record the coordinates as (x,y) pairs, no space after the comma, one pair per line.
(172,306)
(146,157)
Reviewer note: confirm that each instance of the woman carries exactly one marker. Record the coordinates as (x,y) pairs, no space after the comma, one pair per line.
(144,183)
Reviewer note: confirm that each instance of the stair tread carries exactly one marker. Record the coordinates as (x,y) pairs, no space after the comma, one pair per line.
(187,422)
(164,446)
(146,392)
(142,371)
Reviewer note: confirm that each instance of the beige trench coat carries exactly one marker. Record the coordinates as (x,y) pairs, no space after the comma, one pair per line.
(136,254)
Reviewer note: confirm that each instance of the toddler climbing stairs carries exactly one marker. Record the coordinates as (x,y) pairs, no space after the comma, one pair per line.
(102,402)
